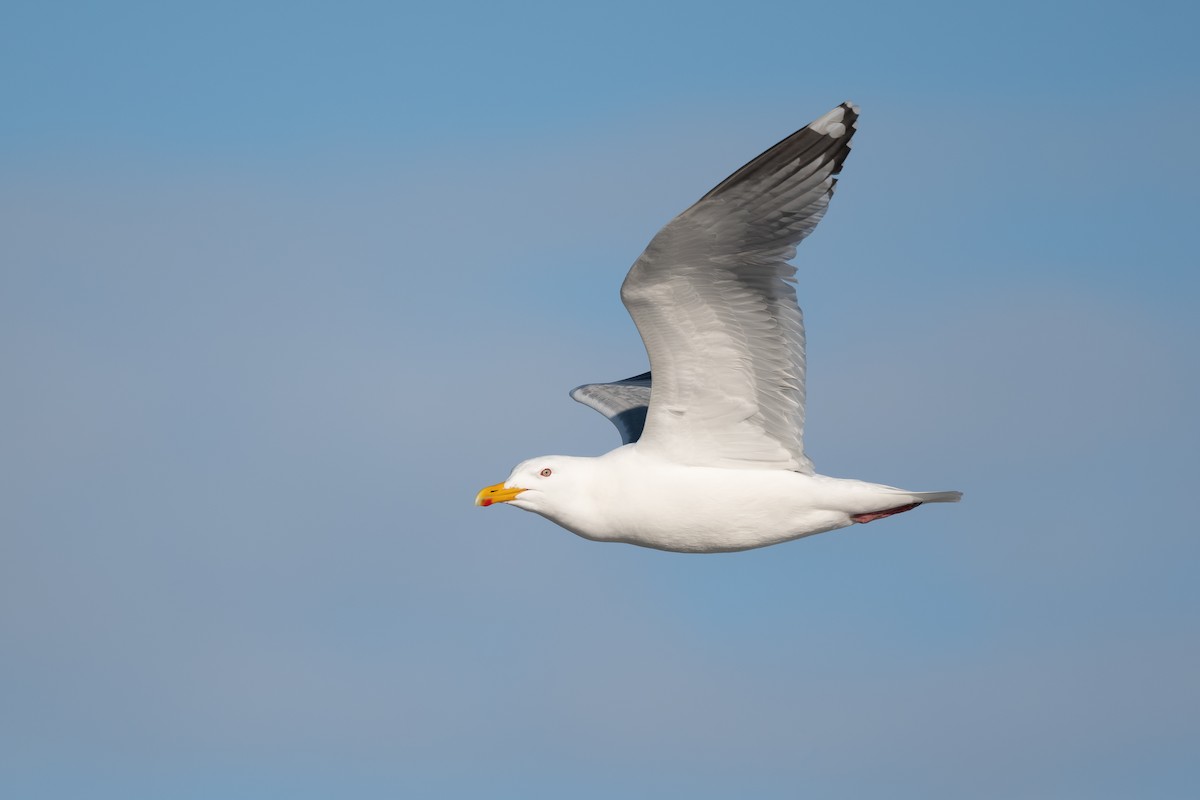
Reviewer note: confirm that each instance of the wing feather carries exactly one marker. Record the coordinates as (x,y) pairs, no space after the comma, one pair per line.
(714,300)
(624,403)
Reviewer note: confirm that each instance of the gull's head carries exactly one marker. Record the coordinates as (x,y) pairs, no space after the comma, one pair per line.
(548,485)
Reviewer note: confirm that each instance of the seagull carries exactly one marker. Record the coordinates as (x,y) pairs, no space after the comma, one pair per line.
(712,456)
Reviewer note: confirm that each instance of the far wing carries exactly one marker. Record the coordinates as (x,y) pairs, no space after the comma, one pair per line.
(623,402)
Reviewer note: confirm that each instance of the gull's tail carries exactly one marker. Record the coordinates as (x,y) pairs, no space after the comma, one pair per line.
(914,499)
(934,497)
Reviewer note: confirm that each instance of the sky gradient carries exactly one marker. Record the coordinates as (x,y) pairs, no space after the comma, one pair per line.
(283,285)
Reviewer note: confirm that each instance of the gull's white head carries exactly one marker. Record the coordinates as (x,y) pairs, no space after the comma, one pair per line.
(554,486)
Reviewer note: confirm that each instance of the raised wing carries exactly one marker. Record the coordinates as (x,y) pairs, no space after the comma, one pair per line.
(623,402)
(714,300)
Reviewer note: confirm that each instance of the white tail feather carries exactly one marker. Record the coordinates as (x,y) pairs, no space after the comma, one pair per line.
(935,497)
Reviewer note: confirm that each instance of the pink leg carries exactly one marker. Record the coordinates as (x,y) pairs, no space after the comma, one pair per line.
(874,515)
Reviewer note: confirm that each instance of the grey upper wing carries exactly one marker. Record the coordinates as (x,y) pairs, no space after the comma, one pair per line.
(714,300)
(624,403)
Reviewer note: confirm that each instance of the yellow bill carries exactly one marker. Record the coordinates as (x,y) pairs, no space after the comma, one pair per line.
(495,494)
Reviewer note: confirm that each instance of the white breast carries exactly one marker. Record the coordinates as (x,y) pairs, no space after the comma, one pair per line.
(654,503)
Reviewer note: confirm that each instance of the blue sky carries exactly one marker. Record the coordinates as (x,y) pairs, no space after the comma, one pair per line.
(282,285)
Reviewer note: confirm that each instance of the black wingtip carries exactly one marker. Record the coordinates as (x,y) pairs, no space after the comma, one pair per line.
(850,115)
(830,134)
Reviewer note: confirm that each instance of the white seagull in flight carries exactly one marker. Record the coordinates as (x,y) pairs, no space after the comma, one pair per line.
(713,458)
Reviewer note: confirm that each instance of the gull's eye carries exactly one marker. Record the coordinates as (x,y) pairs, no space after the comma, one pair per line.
(546,472)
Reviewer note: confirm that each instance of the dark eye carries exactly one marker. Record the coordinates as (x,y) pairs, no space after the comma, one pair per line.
(546,472)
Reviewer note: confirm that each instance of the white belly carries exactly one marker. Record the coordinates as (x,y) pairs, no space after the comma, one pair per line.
(711,510)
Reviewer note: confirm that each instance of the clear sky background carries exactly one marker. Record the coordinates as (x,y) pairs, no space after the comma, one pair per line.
(282,285)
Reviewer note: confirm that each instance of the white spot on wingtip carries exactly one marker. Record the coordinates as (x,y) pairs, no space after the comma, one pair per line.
(830,124)
(852,106)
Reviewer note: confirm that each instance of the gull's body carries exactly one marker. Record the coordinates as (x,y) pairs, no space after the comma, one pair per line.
(713,459)
(670,506)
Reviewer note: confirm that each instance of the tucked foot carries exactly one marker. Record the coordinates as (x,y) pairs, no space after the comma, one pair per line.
(874,515)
